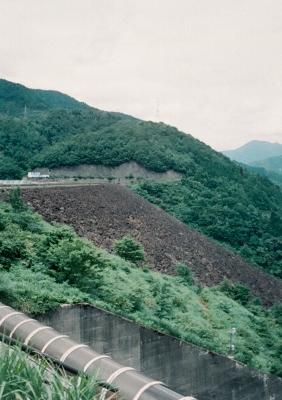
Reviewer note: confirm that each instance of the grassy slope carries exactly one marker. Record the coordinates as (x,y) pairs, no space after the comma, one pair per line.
(35,267)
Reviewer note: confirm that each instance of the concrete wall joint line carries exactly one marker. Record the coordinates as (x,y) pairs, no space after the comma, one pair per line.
(144,388)
(93,360)
(69,351)
(41,328)
(51,341)
(19,324)
(9,315)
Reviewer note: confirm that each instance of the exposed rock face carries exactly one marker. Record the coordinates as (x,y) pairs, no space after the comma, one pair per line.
(103,213)
(124,170)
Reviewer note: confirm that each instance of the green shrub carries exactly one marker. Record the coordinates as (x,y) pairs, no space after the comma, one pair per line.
(73,260)
(129,249)
(276,368)
(245,356)
(237,292)
(276,312)
(12,245)
(185,272)
(242,293)
(16,201)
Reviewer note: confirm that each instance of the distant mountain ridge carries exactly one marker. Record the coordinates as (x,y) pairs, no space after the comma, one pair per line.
(260,157)
(253,151)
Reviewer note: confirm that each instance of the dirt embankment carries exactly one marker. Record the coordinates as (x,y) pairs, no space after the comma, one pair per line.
(104,213)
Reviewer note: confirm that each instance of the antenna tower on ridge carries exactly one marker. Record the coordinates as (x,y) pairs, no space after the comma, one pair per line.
(158,112)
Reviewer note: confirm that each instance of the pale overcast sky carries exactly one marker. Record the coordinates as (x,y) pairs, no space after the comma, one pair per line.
(212,68)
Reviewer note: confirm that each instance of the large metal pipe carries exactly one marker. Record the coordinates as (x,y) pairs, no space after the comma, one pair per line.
(31,351)
(131,384)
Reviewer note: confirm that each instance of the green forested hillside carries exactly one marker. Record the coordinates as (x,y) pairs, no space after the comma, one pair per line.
(107,139)
(216,196)
(274,177)
(16,99)
(43,265)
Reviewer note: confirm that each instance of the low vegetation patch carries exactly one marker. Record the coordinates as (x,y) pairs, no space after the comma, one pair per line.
(42,265)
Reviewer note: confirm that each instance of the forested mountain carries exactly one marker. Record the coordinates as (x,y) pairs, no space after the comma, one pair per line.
(255,150)
(215,196)
(16,99)
(275,177)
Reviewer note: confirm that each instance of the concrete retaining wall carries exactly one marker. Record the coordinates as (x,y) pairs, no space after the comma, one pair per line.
(183,367)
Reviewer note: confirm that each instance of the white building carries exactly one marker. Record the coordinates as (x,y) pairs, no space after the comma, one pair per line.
(37,175)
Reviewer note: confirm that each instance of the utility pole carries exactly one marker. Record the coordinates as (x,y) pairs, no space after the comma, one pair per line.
(231,345)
